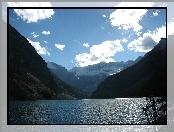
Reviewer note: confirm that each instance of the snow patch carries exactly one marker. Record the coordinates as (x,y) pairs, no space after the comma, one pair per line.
(99,69)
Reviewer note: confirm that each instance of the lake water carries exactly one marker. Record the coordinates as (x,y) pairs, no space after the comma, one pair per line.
(92,111)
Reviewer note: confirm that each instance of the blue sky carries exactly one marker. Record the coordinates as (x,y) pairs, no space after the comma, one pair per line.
(82,37)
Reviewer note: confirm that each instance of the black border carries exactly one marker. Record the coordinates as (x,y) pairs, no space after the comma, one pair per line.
(7,66)
(8,8)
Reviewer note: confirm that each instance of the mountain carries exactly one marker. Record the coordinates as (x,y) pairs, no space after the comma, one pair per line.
(29,78)
(147,77)
(89,77)
(103,68)
(62,73)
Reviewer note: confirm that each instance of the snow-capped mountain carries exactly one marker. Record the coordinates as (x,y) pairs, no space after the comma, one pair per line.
(101,68)
(89,77)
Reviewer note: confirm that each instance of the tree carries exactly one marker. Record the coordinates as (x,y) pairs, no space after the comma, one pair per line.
(155,110)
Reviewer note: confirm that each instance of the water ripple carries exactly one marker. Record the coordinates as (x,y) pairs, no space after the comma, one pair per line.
(104,111)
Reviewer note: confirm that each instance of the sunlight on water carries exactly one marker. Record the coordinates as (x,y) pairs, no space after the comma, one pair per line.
(90,111)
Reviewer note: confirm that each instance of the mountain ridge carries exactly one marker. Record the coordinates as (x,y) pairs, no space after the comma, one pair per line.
(29,78)
(88,78)
(140,79)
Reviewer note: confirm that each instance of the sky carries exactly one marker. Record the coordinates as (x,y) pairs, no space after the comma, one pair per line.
(81,37)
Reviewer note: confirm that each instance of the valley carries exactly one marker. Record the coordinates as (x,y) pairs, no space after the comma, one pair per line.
(89,77)
(31,78)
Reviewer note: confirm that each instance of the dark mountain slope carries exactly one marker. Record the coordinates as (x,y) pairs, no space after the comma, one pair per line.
(78,93)
(147,77)
(29,78)
(63,74)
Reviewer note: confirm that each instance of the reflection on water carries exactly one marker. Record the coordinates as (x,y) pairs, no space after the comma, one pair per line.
(91,111)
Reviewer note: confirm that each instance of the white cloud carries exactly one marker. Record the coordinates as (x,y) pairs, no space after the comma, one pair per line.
(142,44)
(86,44)
(139,33)
(124,40)
(38,48)
(148,40)
(45,42)
(46,32)
(35,34)
(129,18)
(32,15)
(59,46)
(99,53)
(102,27)
(156,13)
(104,15)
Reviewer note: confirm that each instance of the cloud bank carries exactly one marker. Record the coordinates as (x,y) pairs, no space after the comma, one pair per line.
(129,18)
(32,15)
(148,40)
(99,53)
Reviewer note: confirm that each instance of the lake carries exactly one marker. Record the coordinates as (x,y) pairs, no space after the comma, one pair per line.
(85,111)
